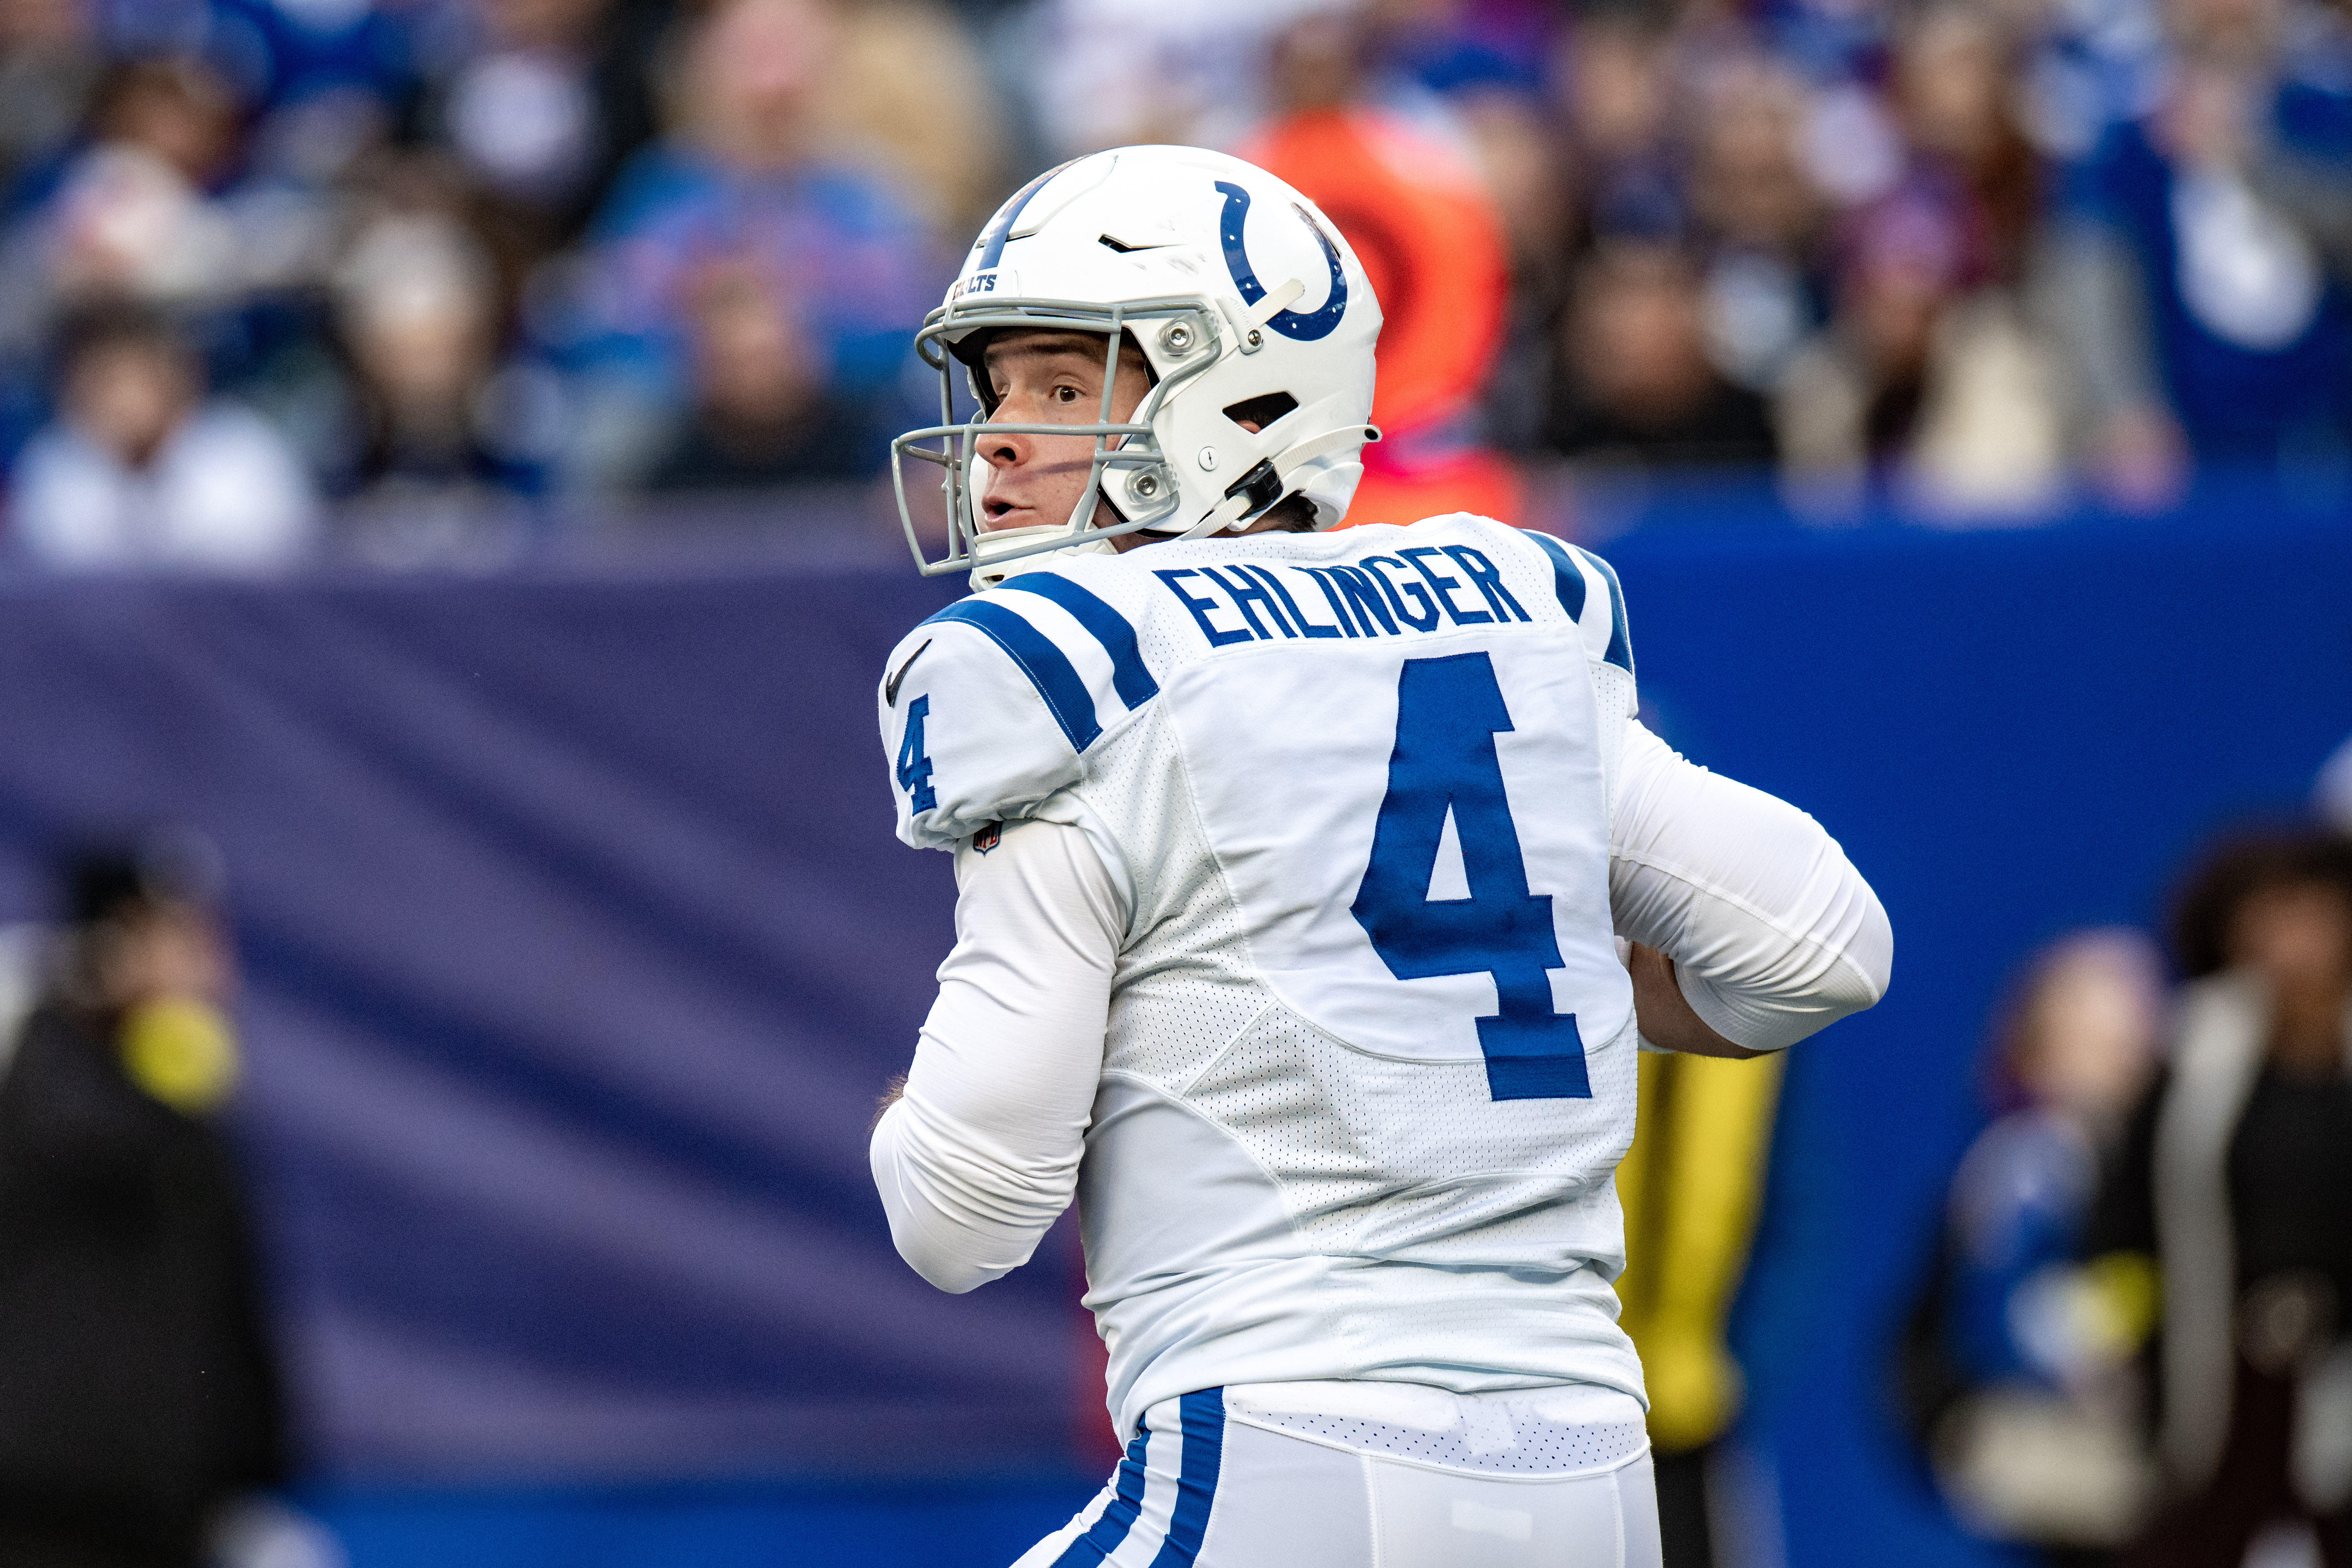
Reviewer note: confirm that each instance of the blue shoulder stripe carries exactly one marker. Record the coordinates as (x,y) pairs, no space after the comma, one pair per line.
(1047,667)
(1621,642)
(1127,674)
(1568,584)
(1111,1529)
(1567,581)
(1196,1480)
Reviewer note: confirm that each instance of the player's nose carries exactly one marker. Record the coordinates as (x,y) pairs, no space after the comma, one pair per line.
(1004,449)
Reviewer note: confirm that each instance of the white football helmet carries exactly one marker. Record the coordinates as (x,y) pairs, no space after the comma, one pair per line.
(1247,303)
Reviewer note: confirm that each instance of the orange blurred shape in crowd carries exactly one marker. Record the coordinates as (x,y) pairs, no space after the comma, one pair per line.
(1423,226)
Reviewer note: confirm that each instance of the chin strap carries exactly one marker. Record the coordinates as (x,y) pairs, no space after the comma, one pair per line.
(1269,481)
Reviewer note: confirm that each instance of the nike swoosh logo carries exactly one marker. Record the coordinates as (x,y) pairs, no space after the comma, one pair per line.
(890,687)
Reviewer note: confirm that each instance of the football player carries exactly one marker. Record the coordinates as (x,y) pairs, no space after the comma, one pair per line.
(1293,866)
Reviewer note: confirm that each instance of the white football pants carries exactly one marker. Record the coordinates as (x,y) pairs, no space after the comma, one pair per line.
(1203,1486)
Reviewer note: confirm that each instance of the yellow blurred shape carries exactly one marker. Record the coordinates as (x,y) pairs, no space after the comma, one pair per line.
(1690,1186)
(181,1051)
(2125,1296)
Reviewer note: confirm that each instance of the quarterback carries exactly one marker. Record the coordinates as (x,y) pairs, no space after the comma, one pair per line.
(1316,892)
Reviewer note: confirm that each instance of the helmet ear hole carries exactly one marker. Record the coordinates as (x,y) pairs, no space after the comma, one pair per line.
(1261,411)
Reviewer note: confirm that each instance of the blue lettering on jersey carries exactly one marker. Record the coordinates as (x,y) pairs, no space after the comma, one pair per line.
(1363,594)
(1439,584)
(1244,596)
(1449,711)
(1218,637)
(1331,596)
(1488,578)
(1373,597)
(1309,627)
(914,759)
(1427,619)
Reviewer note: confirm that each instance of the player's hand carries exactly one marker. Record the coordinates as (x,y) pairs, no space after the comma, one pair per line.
(1668,1019)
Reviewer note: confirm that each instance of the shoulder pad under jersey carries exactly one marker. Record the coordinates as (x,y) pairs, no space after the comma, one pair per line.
(990,706)
(1588,590)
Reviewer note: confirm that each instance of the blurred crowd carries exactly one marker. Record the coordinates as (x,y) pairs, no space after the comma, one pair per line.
(419,266)
(2135,1349)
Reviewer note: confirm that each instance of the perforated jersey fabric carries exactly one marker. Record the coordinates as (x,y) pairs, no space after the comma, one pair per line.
(1301,1166)
(1537,1448)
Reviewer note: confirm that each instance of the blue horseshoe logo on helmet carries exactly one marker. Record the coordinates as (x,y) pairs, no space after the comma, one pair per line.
(1305,326)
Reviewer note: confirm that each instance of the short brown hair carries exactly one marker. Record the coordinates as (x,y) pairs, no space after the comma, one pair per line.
(2234,870)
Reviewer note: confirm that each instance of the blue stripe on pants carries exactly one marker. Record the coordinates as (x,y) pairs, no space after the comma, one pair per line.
(1110,1529)
(1196,1483)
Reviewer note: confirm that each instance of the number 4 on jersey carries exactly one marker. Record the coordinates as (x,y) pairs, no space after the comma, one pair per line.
(1448,713)
(914,757)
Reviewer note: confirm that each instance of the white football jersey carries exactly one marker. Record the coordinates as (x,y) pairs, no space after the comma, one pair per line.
(1370,1059)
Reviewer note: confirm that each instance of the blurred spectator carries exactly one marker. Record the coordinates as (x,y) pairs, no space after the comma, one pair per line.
(2089,65)
(1411,206)
(1517,152)
(739,180)
(1954,69)
(143,470)
(2016,1364)
(134,216)
(1929,379)
(49,63)
(2236,1178)
(540,101)
(1636,386)
(140,1390)
(937,133)
(1621,107)
(153,210)
(1853,205)
(1113,73)
(761,416)
(418,314)
(1692,1185)
(2188,265)
(1762,216)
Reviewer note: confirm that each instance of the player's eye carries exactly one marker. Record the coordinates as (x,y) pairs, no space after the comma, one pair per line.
(1066,394)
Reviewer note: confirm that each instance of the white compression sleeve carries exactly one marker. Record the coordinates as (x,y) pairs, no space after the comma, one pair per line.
(981,1154)
(1773,933)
